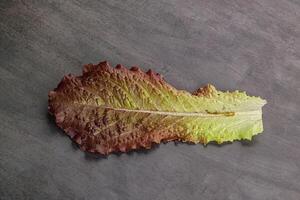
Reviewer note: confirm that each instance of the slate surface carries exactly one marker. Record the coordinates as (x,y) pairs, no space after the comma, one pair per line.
(246,45)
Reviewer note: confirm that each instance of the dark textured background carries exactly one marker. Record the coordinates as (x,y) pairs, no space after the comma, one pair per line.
(251,45)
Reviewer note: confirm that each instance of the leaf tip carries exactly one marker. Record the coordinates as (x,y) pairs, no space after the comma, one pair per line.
(120,67)
(208,91)
(154,75)
(135,69)
(87,68)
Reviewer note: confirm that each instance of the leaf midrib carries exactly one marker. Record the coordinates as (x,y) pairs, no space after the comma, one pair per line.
(191,114)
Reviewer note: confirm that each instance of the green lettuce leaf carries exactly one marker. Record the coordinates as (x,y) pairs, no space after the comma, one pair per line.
(116,109)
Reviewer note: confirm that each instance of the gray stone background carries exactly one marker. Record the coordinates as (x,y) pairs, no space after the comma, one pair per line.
(251,45)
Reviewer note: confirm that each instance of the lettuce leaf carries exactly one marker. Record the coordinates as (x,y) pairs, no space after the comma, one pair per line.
(116,109)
